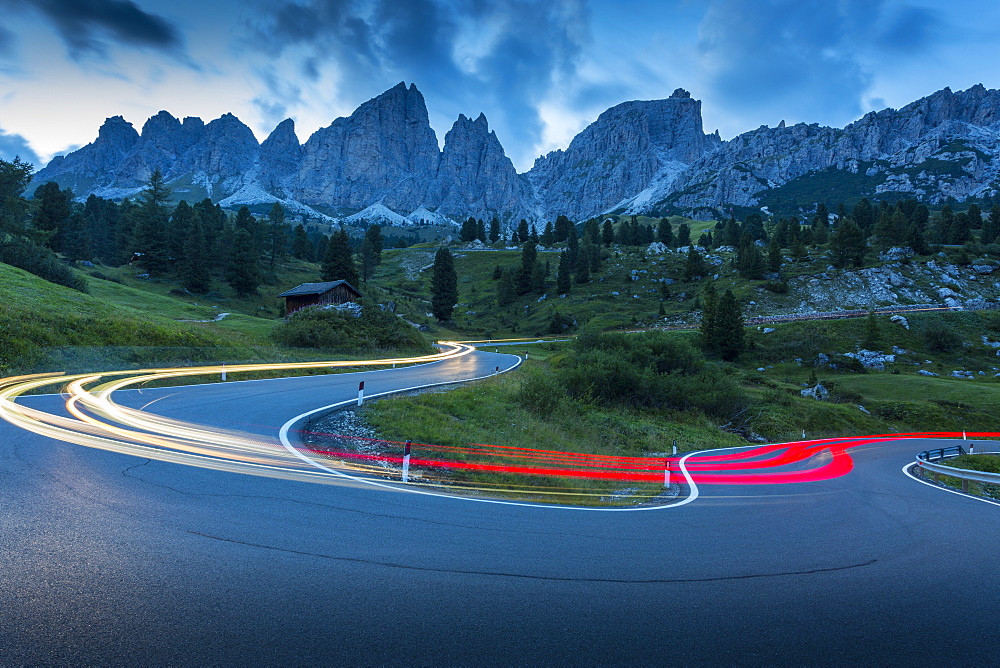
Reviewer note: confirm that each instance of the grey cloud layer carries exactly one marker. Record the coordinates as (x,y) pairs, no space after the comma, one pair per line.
(87,26)
(517,48)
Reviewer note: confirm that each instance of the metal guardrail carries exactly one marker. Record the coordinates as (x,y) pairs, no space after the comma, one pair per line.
(926,459)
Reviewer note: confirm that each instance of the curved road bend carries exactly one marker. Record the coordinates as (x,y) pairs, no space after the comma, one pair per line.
(106,558)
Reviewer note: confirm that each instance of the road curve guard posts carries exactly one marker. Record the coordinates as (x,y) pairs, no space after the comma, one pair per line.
(926,460)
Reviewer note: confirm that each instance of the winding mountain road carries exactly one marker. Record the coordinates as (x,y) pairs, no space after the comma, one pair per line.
(107,559)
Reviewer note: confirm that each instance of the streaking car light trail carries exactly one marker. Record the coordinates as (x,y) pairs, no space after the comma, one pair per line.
(92,418)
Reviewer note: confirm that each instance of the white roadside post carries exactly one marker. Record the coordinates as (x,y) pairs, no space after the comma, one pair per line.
(406,460)
(666,474)
(223,371)
(361,393)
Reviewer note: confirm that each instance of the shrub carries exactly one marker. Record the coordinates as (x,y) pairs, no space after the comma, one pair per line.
(331,328)
(940,337)
(40,261)
(539,393)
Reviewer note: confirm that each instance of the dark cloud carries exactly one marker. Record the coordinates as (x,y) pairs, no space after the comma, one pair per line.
(86,26)
(12,145)
(470,55)
(795,58)
(911,29)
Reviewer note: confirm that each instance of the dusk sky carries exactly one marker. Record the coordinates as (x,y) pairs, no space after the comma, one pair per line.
(540,70)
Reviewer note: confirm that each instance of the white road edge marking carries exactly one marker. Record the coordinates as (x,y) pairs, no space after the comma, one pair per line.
(945,489)
(283,436)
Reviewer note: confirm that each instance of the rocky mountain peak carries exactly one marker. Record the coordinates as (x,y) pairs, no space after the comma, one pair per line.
(680,93)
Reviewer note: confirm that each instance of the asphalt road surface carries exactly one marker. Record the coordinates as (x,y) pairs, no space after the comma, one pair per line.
(111,559)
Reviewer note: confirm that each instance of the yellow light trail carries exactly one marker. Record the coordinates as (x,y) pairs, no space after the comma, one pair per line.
(96,421)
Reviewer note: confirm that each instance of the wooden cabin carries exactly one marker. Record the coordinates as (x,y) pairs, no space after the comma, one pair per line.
(321,294)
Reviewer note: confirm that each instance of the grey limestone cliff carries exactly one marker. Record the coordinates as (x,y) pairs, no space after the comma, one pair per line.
(626,150)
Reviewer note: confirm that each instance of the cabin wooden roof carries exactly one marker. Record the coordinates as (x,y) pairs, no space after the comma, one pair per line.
(317,288)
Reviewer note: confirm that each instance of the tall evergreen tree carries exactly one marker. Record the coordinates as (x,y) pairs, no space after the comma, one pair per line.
(302,248)
(444,285)
(243,271)
(52,209)
(367,258)
(195,272)
(494,229)
(468,230)
(151,238)
(338,264)
(694,266)
(76,240)
(549,235)
(481,230)
(730,325)
(608,233)
(180,226)
(562,228)
(563,274)
(15,175)
(277,239)
(848,244)
(991,226)
(374,235)
(709,312)
(523,233)
(684,235)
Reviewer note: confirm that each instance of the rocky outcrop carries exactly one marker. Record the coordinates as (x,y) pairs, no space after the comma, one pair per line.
(476,178)
(937,147)
(629,149)
(637,157)
(384,152)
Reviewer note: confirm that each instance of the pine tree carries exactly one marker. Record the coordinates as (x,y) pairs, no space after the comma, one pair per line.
(709,312)
(694,266)
(243,272)
(505,289)
(523,233)
(549,235)
(848,244)
(665,233)
(277,240)
(180,226)
(52,209)
(481,230)
(338,264)
(683,235)
(468,231)
(367,258)
(563,274)
(774,256)
(562,228)
(301,246)
(444,285)
(975,217)
(494,230)
(76,241)
(608,233)
(195,273)
(374,236)
(581,272)
(151,227)
(991,226)
(961,229)
(730,326)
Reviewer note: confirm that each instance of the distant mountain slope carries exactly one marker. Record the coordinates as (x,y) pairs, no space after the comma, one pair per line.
(637,157)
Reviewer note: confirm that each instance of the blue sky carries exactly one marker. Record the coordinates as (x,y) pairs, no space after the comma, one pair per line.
(540,70)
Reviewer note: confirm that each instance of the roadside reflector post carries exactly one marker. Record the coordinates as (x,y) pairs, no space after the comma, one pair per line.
(666,473)
(361,393)
(223,371)
(964,438)
(803,434)
(406,460)
(496,371)
(972,448)
(675,446)
(525,354)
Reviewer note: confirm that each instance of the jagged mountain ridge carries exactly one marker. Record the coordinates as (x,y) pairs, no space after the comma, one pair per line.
(383,161)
